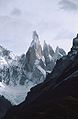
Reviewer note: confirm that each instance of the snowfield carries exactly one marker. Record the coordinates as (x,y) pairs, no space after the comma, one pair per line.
(16,94)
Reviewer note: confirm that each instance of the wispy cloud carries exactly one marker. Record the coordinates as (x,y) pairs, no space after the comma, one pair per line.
(18,18)
(71,5)
(16,12)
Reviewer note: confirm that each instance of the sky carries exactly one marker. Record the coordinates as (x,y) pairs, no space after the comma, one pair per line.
(56,22)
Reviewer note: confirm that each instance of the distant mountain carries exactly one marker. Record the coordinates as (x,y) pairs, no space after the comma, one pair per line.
(19,74)
(57,96)
(6,57)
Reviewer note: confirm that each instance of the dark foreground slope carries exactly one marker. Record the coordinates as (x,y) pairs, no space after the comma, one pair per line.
(57,96)
(4,106)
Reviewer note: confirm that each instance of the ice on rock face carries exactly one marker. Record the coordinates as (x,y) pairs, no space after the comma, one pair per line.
(35,41)
(2,85)
(48,55)
(36,45)
(2,61)
(59,52)
(42,71)
(6,57)
(47,50)
(34,52)
(37,64)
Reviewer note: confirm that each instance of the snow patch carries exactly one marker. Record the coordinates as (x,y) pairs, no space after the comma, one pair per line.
(42,70)
(2,62)
(17,94)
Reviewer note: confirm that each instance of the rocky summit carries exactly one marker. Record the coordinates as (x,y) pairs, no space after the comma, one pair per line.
(19,73)
(21,70)
(57,96)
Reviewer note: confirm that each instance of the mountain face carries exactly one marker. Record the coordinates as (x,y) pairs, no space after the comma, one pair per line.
(34,52)
(49,57)
(6,57)
(19,74)
(23,68)
(57,96)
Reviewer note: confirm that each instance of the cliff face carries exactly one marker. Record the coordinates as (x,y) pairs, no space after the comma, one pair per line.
(57,96)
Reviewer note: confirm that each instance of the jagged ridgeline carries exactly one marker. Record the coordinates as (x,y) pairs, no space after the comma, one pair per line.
(30,67)
(57,96)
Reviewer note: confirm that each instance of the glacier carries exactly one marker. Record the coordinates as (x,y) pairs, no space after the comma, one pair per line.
(16,94)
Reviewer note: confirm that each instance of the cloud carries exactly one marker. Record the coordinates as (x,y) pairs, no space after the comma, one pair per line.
(70,5)
(18,18)
(16,12)
(3,3)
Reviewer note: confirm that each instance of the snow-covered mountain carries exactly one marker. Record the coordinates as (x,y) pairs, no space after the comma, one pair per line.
(19,74)
(57,96)
(6,57)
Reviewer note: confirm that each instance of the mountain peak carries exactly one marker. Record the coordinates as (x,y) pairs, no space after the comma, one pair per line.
(74,49)
(45,45)
(35,36)
(45,42)
(75,42)
(35,41)
(57,48)
(1,48)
